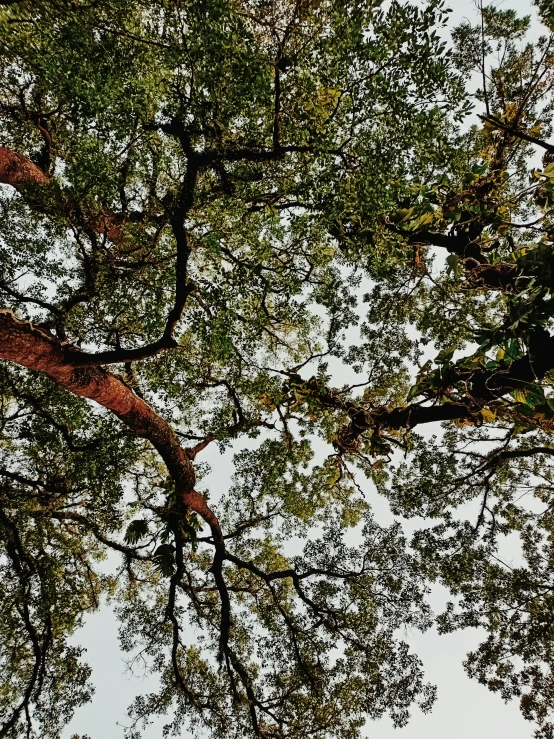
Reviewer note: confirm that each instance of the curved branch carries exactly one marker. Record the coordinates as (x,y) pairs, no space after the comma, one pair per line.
(26,345)
(16,170)
(120,356)
(482,386)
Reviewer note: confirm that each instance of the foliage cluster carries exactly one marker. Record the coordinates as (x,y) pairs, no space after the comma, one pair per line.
(216,209)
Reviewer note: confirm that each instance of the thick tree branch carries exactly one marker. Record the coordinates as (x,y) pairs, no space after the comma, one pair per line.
(17,170)
(481,385)
(499,276)
(26,345)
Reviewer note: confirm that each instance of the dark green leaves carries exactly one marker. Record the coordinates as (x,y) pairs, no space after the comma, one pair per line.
(136,531)
(164,559)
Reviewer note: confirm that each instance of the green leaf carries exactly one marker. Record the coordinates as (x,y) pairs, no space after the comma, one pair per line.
(401,215)
(164,559)
(136,531)
(480,169)
(488,415)
(445,355)
(415,390)
(453,265)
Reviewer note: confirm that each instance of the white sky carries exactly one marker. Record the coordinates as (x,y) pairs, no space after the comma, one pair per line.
(463,708)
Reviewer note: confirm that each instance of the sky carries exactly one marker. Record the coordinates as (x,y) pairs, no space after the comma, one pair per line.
(463,708)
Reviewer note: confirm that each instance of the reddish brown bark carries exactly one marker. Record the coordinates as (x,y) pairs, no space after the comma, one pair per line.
(26,345)
(16,169)
(111,226)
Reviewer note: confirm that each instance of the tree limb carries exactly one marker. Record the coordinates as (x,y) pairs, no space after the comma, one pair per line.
(26,345)
(16,170)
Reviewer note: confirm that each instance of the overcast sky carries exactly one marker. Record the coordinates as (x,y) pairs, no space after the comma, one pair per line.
(463,708)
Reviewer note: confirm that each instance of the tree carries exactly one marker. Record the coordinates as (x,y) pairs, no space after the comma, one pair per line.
(194,194)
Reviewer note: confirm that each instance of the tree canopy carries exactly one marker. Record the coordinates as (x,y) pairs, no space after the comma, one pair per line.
(242,224)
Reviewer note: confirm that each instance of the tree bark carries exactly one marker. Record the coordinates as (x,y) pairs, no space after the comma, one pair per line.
(24,344)
(17,170)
